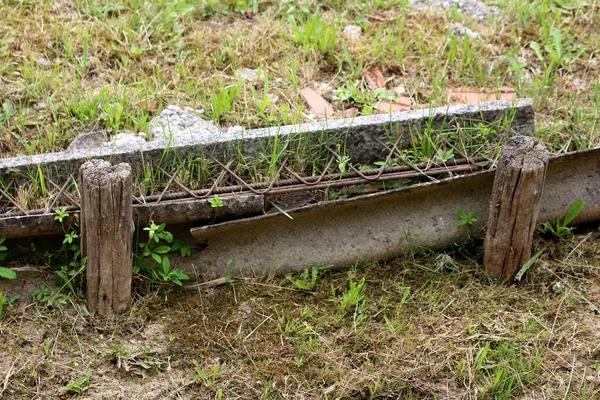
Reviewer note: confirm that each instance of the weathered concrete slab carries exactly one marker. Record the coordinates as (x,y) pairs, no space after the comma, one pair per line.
(381,226)
(361,135)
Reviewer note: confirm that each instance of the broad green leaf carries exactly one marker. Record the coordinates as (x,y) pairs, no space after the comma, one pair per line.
(162,249)
(574,211)
(168,236)
(174,279)
(166,265)
(180,274)
(7,273)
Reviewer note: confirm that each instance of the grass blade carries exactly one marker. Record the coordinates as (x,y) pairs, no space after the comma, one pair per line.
(528,265)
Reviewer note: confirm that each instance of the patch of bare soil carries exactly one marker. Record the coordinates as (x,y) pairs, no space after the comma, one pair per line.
(420,329)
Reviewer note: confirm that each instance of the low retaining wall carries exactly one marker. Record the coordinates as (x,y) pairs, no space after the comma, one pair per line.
(364,137)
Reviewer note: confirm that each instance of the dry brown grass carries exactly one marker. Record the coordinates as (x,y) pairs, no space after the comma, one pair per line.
(449,338)
(456,335)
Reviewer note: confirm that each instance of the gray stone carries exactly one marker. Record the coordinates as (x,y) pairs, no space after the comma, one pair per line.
(579,83)
(352,31)
(126,140)
(175,122)
(558,287)
(40,106)
(88,140)
(249,75)
(475,8)
(462,31)
(322,88)
(399,90)
(43,62)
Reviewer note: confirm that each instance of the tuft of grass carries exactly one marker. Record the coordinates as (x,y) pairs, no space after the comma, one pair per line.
(314,33)
(353,296)
(560,227)
(423,327)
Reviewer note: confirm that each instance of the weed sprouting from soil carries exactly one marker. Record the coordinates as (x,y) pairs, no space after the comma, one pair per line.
(424,325)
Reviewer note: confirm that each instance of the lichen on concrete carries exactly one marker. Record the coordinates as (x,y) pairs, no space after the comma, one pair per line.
(364,137)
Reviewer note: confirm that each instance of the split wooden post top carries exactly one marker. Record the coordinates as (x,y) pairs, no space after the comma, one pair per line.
(514,207)
(107,235)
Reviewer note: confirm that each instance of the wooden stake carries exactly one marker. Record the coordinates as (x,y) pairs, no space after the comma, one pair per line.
(515,204)
(107,235)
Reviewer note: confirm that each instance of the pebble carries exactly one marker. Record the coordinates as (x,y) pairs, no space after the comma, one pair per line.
(462,31)
(322,87)
(558,287)
(351,112)
(399,90)
(475,8)
(579,84)
(177,121)
(40,106)
(352,31)
(43,62)
(125,139)
(88,140)
(249,75)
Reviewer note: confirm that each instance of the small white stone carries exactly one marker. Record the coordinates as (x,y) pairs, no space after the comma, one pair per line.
(558,287)
(579,84)
(125,139)
(273,97)
(88,140)
(352,31)
(460,30)
(322,88)
(247,74)
(174,121)
(39,106)
(43,62)
(399,90)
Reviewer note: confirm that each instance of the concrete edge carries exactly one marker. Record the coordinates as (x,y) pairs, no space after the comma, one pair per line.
(361,135)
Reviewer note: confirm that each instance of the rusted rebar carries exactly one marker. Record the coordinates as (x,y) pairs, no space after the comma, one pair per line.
(298,184)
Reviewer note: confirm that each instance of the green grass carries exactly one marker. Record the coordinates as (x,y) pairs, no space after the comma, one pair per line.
(419,326)
(423,326)
(114,65)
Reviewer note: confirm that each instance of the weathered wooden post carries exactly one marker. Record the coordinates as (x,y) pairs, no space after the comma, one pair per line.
(107,235)
(514,207)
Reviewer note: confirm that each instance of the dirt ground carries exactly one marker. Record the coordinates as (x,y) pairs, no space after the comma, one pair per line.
(427,327)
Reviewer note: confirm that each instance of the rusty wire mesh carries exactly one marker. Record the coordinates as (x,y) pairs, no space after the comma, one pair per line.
(14,199)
